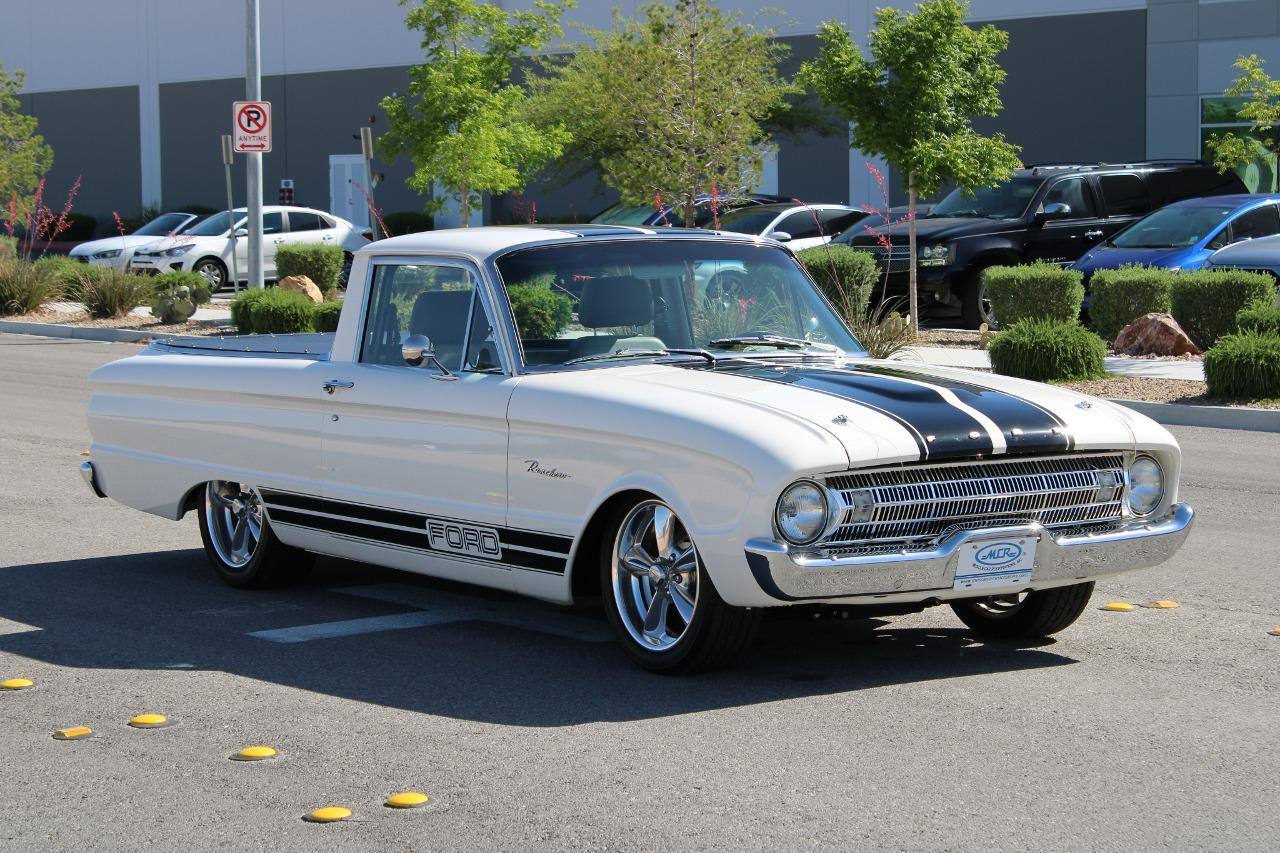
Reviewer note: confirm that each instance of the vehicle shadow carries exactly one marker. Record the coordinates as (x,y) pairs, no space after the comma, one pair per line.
(167,611)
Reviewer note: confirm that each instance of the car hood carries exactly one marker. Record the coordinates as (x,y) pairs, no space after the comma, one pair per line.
(929,229)
(890,411)
(1112,257)
(129,241)
(1264,251)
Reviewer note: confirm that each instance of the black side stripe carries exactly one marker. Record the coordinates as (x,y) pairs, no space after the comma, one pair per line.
(922,411)
(1041,431)
(369,522)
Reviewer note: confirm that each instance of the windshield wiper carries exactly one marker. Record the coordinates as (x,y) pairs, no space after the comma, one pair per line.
(778,341)
(641,353)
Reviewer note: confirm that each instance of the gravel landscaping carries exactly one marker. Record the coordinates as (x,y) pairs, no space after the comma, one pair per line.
(1160,391)
(143,323)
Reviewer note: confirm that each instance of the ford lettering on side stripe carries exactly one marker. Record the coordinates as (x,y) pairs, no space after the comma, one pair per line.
(997,555)
(463,538)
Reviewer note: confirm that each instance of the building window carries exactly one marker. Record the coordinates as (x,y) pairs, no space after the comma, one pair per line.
(1219,116)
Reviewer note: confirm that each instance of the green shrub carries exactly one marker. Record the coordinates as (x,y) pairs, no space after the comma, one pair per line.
(197,284)
(1259,318)
(176,295)
(1039,291)
(241,307)
(540,312)
(281,312)
(1120,296)
(109,292)
(1048,349)
(66,271)
(1244,365)
(24,287)
(325,316)
(1206,302)
(318,262)
(407,222)
(846,275)
(79,227)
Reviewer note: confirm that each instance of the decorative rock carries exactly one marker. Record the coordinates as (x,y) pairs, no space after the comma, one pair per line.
(302,284)
(1154,334)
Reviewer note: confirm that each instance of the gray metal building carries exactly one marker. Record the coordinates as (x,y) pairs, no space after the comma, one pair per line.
(133,94)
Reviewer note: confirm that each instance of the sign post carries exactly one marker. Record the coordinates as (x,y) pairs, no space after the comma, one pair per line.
(227,155)
(366,150)
(253,117)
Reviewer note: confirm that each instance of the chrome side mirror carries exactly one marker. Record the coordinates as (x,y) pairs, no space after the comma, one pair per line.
(418,348)
(242,232)
(1056,210)
(781,236)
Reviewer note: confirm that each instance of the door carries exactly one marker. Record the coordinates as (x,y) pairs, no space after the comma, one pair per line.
(346,177)
(415,456)
(1064,240)
(1125,199)
(273,234)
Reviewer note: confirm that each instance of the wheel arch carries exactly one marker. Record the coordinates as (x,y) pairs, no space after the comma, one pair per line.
(584,580)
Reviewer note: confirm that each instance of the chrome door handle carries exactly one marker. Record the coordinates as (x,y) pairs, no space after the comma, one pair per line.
(1093,234)
(334,384)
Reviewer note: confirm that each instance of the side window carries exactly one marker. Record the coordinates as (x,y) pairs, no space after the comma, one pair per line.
(1075,194)
(1260,222)
(422,299)
(299,221)
(801,225)
(272,223)
(836,221)
(1125,195)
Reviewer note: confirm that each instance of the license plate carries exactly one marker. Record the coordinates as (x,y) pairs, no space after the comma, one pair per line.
(995,562)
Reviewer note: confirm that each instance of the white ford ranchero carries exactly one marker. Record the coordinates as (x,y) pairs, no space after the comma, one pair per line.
(678,422)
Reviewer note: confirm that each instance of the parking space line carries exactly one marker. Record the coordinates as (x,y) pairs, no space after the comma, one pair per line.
(8,626)
(440,608)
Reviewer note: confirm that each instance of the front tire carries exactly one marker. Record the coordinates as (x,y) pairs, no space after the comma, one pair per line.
(976,307)
(239,542)
(659,598)
(213,271)
(1024,617)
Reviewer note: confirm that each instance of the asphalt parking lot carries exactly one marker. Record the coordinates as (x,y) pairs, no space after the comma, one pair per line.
(1153,729)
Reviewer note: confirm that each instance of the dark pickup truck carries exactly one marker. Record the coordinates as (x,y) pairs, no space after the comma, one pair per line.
(1049,212)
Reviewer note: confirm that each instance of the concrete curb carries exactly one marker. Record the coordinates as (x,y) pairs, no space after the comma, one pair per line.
(1217,417)
(83,333)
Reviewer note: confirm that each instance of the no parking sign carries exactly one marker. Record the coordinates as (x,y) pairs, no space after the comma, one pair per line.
(251,126)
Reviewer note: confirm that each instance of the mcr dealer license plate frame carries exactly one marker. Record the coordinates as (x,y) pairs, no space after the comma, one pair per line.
(995,563)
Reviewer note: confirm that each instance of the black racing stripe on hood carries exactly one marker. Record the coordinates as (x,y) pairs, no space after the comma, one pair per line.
(1041,430)
(940,429)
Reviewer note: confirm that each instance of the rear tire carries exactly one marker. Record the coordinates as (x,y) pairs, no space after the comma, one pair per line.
(975,309)
(1037,614)
(660,600)
(239,541)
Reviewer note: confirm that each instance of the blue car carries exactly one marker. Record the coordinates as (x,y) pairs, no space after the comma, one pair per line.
(1182,235)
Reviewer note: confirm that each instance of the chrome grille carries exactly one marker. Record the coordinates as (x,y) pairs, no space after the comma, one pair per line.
(916,506)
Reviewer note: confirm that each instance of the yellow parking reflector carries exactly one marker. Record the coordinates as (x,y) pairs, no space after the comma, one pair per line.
(1276,630)
(254,753)
(1119,606)
(16,684)
(1163,605)
(329,814)
(84,453)
(407,800)
(149,721)
(72,733)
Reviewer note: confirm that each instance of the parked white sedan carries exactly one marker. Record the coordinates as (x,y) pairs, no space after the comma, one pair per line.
(562,412)
(800,226)
(117,251)
(208,246)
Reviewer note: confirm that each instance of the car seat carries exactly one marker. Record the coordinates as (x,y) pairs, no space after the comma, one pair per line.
(609,302)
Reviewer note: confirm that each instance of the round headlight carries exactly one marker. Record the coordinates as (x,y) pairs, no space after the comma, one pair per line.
(1146,485)
(802,513)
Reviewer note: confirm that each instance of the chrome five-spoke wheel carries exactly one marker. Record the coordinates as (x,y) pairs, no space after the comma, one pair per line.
(233,512)
(655,576)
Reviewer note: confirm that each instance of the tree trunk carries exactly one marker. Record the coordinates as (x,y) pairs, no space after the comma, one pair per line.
(464,205)
(690,211)
(912,300)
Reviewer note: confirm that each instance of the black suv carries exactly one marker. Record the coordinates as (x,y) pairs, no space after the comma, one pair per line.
(1048,212)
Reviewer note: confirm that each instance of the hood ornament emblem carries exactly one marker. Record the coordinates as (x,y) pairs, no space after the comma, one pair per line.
(840,419)
(1084,404)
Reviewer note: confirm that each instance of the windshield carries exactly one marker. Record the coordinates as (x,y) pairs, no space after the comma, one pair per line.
(750,220)
(1004,201)
(589,299)
(621,214)
(166,223)
(1172,228)
(215,226)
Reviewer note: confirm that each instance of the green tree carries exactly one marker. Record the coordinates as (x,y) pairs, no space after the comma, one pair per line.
(1261,108)
(458,122)
(24,156)
(913,99)
(670,104)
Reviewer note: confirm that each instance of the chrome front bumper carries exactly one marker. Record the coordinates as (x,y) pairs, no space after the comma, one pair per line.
(925,575)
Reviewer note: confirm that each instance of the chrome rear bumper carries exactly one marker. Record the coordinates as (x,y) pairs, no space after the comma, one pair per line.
(91,478)
(924,575)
